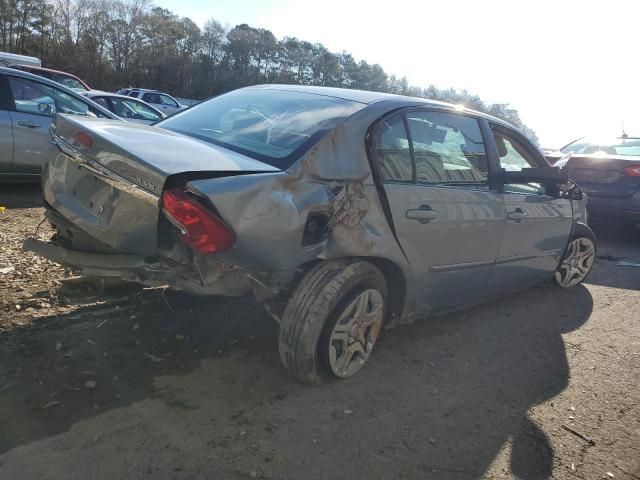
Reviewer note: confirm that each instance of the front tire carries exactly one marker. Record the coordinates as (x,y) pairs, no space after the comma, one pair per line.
(332,321)
(578,259)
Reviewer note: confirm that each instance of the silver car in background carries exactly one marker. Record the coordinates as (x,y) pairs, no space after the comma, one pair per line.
(160,100)
(28,104)
(127,108)
(342,211)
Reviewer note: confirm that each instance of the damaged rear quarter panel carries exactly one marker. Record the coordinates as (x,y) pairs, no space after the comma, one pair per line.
(268,212)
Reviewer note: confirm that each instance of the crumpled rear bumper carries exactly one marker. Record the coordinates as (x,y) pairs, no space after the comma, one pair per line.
(150,271)
(98,264)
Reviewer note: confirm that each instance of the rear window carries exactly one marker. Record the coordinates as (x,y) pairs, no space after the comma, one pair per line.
(620,146)
(273,126)
(67,81)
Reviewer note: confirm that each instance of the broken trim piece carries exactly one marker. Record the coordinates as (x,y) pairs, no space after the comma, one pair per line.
(83,259)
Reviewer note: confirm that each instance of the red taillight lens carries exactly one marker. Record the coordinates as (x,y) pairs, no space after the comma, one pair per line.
(83,139)
(633,171)
(200,229)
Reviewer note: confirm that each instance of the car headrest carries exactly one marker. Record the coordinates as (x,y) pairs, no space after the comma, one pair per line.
(423,132)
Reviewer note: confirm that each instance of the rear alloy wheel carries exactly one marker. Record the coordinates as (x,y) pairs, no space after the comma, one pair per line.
(577,263)
(355,333)
(332,320)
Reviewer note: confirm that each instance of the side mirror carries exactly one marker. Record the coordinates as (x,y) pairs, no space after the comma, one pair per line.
(47,109)
(571,191)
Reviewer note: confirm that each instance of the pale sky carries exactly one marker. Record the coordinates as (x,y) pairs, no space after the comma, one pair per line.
(570,67)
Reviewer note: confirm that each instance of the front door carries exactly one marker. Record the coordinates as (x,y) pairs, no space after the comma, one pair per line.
(448,219)
(538,224)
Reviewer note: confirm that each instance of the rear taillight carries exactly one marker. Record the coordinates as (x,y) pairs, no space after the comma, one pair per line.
(200,228)
(633,171)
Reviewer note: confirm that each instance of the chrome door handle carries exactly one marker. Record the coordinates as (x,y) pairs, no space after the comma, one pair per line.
(25,123)
(516,215)
(422,214)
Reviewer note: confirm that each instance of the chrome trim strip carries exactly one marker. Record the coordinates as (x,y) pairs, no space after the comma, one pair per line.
(106,175)
(460,266)
(528,256)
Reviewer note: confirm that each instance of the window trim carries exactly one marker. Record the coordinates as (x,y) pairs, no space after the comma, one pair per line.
(492,183)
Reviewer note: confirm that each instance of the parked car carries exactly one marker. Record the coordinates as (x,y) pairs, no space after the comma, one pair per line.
(63,78)
(28,104)
(162,101)
(128,108)
(608,170)
(342,211)
(7,59)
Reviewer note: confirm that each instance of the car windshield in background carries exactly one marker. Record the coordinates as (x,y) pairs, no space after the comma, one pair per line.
(620,146)
(274,126)
(129,108)
(68,82)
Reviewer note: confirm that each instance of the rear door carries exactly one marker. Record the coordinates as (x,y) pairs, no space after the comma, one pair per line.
(538,224)
(448,218)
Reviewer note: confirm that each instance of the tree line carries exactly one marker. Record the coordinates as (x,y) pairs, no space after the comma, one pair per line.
(118,43)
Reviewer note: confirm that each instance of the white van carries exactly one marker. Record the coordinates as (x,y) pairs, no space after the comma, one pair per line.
(7,59)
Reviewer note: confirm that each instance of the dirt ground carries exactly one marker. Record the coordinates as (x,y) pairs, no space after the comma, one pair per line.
(147,384)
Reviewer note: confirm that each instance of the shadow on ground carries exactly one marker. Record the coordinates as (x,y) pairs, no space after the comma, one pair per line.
(617,244)
(439,398)
(20,195)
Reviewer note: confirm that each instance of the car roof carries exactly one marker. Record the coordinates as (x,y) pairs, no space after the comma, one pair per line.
(43,69)
(100,93)
(50,70)
(367,97)
(145,90)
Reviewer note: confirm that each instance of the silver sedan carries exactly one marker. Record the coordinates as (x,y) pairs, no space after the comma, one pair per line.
(127,108)
(343,212)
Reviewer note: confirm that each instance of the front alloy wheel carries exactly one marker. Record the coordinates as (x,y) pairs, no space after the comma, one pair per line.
(577,263)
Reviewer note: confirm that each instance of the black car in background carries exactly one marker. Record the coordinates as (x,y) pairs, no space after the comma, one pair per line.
(608,171)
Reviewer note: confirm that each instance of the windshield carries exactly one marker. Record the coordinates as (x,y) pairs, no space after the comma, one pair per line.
(619,146)
(274,126)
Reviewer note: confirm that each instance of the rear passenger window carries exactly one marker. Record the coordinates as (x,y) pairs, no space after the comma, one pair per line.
(393,152)
(448,149)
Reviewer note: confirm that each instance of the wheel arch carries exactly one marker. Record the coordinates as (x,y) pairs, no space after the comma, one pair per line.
(581,229)
(393,274)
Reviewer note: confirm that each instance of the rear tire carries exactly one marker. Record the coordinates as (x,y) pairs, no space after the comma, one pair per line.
(332,320)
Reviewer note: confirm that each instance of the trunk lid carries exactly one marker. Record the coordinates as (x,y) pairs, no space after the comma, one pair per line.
(604,176)
(107,176)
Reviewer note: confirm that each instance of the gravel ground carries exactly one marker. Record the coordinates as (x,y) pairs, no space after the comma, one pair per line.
(146,384)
